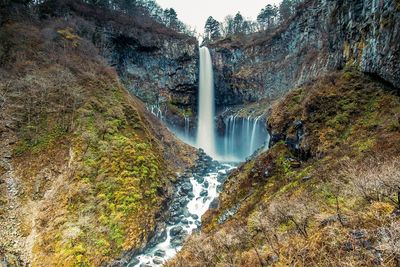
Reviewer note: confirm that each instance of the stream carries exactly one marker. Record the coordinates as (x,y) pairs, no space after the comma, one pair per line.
(196,192)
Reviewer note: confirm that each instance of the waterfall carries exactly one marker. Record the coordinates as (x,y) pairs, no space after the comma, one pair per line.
(242,134)
(206,128)
(253,135)
(187,126)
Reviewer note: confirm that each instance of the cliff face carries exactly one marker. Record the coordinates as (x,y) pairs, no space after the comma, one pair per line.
(322,36)
(161,71)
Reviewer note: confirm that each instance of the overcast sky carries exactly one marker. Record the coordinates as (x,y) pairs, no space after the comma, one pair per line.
(196,12)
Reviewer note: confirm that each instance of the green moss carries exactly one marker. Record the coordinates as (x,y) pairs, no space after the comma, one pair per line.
(363,146)
(122,175)
(34,140)
(286,226)
(179,111)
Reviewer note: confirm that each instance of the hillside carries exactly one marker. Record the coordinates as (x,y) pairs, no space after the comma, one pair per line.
(86,171)
(326,193)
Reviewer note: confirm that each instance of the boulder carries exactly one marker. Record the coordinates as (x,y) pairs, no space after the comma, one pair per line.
(160,253)
(176,231)
(204,193)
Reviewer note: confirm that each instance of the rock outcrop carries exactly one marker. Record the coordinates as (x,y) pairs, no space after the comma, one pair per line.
(159,70)
(320,37)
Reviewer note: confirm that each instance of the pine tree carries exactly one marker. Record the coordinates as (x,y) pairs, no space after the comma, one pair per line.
(267,16)
(238,23)
(285,9)
(212,29)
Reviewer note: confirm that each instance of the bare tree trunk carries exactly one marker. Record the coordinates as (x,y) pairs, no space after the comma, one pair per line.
(398,198)
(338,211)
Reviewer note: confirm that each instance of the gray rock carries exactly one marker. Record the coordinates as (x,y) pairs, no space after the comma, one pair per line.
(214,203)
(358,234)
(157,260)
(160,253)
(200,179)
(133,262)
(204,193)
(175,231)
(187,187)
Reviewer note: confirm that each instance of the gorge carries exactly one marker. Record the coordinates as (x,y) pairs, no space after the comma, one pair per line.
(125,142)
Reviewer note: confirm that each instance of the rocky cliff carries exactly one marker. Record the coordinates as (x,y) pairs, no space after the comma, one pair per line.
(160,72)
(320,37)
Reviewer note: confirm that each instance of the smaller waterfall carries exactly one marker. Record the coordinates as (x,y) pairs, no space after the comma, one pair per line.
(253,135)
(243,135)
(156,111)
(187,126)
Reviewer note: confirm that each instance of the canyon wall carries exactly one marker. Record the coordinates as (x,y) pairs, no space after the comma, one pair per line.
(158,70)
(320,37)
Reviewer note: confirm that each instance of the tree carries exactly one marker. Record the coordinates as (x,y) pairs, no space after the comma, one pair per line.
(227,26)
(238,23)
(285,9)
(376,179)
(171,18)
(267,16)
(212,29)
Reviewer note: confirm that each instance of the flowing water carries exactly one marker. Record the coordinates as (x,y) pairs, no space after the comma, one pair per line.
(206,124)
(192,199)
(197,191)
(242,137)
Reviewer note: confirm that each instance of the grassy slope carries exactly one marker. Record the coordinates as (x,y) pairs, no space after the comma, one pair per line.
(302,211)
(93,174)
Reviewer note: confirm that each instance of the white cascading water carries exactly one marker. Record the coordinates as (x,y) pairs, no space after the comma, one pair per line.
(243,135)
(205,126)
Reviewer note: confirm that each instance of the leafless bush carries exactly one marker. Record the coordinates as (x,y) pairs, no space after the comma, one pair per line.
(390,241)
(261,222)
(297,210)
(376,179)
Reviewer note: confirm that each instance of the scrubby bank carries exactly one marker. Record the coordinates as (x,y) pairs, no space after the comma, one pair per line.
(86,171)
(326,193)
(322,36)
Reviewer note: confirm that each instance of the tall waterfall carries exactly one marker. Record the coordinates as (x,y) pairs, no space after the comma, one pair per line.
(206,125)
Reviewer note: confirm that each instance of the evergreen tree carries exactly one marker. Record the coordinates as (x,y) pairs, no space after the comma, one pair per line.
(227,26)
(285,9)
(171,18)
(267,16)
(212,29)
(238,23)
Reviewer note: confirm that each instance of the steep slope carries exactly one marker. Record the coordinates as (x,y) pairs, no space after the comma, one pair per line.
(321,36)
(325,194)
(86,171)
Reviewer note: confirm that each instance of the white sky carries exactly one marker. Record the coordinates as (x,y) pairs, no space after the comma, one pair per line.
(196,12)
